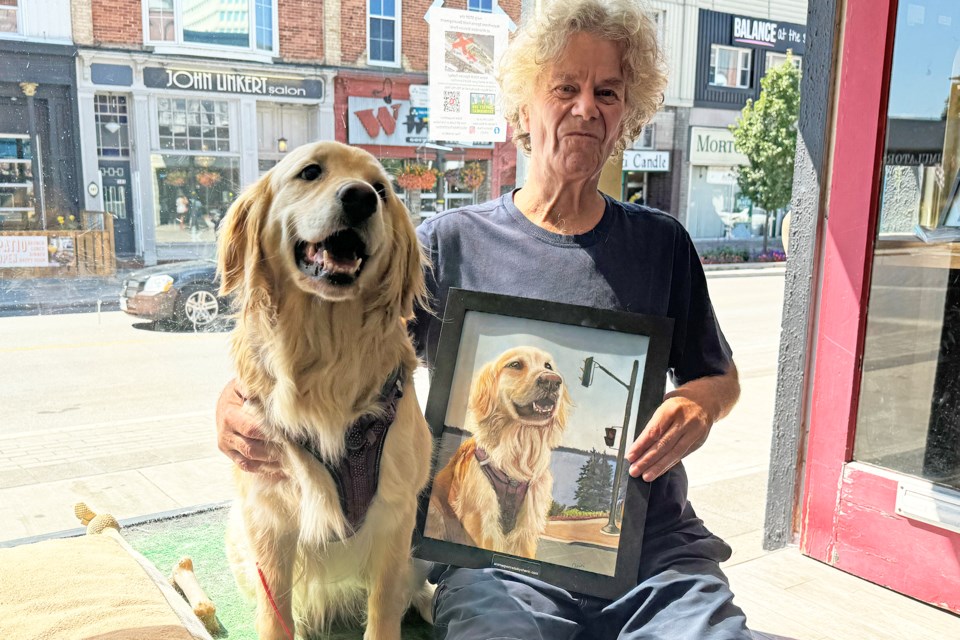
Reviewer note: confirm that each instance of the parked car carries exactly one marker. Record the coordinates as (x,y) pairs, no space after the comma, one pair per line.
(182,292)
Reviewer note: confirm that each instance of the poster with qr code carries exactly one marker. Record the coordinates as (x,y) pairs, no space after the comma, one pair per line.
(464,98)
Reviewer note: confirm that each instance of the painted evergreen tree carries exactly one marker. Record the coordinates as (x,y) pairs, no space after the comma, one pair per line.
(594,483)
(767,134)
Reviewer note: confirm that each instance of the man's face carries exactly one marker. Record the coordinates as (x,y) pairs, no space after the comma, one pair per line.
(576,112)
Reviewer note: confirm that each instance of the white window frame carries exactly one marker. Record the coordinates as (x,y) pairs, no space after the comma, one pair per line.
(179,46)
(397,35)
(98,117)
(31,186)
(780,59)
(493,6)
(233,107)
(659,17)
(19,32)
(741,53)
(647,139)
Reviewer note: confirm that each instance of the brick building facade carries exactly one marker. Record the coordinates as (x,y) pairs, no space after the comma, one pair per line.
(181,104)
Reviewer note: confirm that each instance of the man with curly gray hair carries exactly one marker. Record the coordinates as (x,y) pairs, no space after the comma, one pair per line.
(579,82)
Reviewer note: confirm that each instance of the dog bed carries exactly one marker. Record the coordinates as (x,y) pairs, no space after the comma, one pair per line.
(93,587)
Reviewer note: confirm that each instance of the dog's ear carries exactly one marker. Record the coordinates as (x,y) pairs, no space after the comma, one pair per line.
(239,256)
(413,289)
(483,393)
(403,281)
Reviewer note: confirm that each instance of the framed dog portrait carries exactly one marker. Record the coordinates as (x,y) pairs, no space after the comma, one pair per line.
(532,407)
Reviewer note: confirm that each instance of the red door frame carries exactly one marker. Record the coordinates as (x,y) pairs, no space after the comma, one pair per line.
(848,516)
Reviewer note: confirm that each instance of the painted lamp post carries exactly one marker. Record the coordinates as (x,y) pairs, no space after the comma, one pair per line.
(586,379)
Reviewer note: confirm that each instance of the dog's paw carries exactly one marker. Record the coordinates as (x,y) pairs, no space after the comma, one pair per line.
(423,601)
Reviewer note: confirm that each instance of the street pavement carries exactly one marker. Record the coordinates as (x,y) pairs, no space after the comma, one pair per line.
(43,296)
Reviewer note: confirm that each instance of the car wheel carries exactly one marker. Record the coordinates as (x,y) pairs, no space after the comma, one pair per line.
(198,306)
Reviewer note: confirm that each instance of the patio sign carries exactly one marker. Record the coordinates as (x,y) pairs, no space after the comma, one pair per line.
(37,251)
(23,251)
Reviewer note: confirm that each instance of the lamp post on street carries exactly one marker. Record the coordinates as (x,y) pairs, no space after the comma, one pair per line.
(586,379)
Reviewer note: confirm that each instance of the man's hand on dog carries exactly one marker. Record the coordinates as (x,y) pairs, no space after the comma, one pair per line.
(682,423)
(239,436)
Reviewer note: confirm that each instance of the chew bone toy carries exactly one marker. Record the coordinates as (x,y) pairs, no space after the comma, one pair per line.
(184,578)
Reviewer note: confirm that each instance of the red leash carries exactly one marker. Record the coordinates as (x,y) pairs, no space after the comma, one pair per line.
(273,603)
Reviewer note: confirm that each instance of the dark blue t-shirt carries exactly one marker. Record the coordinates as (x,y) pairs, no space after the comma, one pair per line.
(636,259)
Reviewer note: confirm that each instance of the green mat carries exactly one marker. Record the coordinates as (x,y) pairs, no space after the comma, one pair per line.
(200,535)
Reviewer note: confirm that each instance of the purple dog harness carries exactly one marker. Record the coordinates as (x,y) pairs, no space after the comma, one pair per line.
(510,492)
(357,473)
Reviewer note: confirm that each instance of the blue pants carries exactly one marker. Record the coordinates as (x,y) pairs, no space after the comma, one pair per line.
(681,594)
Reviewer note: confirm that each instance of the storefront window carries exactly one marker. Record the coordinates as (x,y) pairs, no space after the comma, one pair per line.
(716,208)
(193,194)
(193,125)
(909,410)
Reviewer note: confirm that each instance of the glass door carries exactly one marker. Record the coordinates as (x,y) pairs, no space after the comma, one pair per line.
(882,487)
(17,207)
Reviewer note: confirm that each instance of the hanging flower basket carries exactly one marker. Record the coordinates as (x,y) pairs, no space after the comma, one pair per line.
(467,178)
(472,176)
(417,177)
(176,178)
(208,178)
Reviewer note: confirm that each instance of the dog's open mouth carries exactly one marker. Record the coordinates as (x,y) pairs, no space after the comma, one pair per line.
(539,410)
(337,259)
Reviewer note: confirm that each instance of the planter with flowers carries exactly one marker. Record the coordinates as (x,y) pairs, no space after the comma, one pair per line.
(208,178)
(67,222)
(176,178)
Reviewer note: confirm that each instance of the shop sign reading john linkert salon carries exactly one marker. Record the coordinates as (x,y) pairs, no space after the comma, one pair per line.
(222,82)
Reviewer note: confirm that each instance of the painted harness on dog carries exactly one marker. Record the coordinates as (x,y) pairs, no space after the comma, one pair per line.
(357,474)
(510,492)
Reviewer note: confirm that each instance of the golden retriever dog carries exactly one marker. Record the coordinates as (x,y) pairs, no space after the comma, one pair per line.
(496,490)
(326,268)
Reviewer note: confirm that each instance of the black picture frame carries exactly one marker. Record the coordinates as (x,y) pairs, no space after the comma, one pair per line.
(581,325)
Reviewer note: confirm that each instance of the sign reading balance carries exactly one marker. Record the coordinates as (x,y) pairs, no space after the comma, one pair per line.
(220,82)
(774,36)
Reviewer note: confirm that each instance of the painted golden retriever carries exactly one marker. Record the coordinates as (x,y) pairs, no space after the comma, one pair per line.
(326,268)
(496,490)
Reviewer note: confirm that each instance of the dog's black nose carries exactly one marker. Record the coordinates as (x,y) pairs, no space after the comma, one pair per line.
(549,381)
(359,202)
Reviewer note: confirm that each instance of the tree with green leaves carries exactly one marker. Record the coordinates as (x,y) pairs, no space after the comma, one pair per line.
(767,134)
(594,483)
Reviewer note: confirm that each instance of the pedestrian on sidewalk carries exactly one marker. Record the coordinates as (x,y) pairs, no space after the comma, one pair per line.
(579,82)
